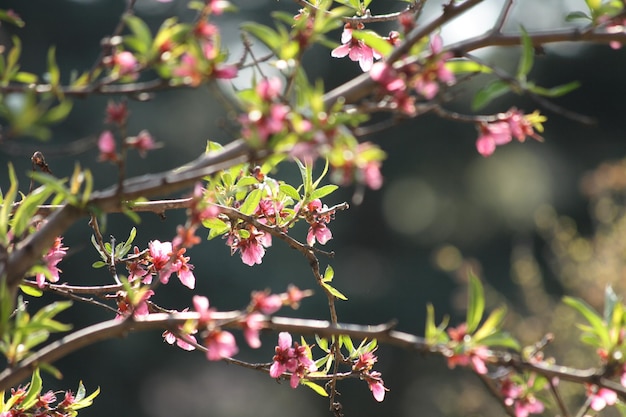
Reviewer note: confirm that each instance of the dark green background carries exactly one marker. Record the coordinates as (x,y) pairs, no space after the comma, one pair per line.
(437,186)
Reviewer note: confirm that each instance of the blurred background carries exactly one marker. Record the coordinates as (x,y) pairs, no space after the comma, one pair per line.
(535,221)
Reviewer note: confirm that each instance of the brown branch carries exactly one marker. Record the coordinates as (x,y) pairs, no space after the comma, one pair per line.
(383,333)
(29,251)
(361,86)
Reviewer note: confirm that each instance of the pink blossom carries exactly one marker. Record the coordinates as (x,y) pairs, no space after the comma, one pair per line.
(201,305)
(318,232)
(388,77)
(528,405)
(225,72)
(127,63)
(106,146)
(51,259)
(601,397)
(142,142)
(189,70)
(265,302)
(164,263)
(355,49)
(291,359)
(252,248)
(372,176)
(117,113)
(284,358)
(171,338)
(295,295)
(217,7)
(434,71)
(251,327)
(220,344)
(269,88)
(376,385)
(135,306)
(492,135)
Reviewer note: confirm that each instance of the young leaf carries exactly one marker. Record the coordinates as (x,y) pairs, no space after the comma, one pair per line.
(329,274)
(323,191)
(317,388)
(528,56)
(490,92)
(557,91)
(374,41)
(34,389)
(491,325)
(32,291)
(251,202)
(597,324)
(335,292)
(476,303)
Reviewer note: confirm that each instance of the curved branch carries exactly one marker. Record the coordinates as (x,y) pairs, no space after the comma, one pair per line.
(29,251)
(384,333)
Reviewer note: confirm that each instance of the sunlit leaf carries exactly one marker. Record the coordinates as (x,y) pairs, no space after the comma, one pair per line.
(476,303)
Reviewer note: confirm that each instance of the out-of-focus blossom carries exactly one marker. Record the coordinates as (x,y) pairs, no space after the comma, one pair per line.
(355,49)
(107,147)
(51,259)
(220,344)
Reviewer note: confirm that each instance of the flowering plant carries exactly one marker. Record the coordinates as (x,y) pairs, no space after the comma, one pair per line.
(237,192)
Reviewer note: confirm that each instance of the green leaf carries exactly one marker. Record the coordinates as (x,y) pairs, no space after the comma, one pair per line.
(323,191)
(577,15)
(34,389)
(374,41)
(528,56)
(597,324)
(86,401)
(251,202)
(57,113)
(335,292)
(216,227)
(98,264)
(460,66)
(7,203)
(489,92)
(265,34)
(329,274)
(476,303)
(322,343)
(51,310)
(142,33)
(11,18)
(32,291)
(317,388)
(53,68)
(290,191)
(557,91)
(346,341)
(491,325)
(25,77)
(501,339)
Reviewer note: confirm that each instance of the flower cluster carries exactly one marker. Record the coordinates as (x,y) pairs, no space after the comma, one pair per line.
(509,125)
(291,358)
(464,355)
(318,217)
(424,78)
(520,396)
(355,49)
(22,402)
(268,116)
(51,259)
(364,364)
